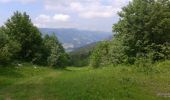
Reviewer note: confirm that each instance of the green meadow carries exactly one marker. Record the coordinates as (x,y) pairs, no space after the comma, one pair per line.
(106,83)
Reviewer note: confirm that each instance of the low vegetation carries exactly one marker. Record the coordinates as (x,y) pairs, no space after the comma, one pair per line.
(107,83)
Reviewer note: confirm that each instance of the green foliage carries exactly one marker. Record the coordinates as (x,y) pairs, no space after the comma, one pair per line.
(95,59)
(54,52)
(100,55)
(81,56)
(21,40)
(144,28)
(8,48)
(144,64)
(142,31)
(20,28)
(116,52)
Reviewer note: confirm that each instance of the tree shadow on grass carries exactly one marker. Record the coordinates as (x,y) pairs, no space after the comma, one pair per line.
(63,69)
(10,72)
(69,70)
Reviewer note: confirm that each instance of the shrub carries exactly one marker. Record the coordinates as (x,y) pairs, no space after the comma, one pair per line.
(100,54)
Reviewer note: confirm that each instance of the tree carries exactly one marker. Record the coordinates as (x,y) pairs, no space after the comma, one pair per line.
(142,32)
(54,52)
(8,48)
(144,28)
(20,28)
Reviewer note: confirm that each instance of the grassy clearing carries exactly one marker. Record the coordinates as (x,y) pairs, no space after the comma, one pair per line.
(107,83)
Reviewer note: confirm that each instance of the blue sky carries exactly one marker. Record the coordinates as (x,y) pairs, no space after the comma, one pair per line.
(81,14)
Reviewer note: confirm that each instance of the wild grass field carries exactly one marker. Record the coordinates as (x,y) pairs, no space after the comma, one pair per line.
(106,83)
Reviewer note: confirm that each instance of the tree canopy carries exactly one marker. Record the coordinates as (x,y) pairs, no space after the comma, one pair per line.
(55,53)
(22,41)
(142,31)
(20,28)
(144,26)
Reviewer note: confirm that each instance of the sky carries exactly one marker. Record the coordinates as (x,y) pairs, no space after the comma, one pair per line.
(97,15)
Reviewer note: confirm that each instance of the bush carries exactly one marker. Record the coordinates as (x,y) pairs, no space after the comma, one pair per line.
(100,55)
(116,52)
(95,59)
(144,64)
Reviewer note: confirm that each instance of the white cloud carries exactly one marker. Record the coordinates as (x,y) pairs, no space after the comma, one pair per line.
(55,18)
(97,11)
(61,17)
(68,45)
(77,6)
(26,1)
(95,15)
(92,11)
(55,21)
(20,1)
(87,8)
(43,18)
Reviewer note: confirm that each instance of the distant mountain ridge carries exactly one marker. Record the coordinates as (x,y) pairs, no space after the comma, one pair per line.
(85,49)
(74,38)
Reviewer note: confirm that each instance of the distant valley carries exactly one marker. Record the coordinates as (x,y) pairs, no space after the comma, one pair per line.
(74,38)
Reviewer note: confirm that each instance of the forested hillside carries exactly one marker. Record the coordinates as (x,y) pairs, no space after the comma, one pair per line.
(81,56)
(74,38)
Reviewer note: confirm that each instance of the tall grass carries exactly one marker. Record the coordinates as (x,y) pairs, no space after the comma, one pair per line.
(106,83)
